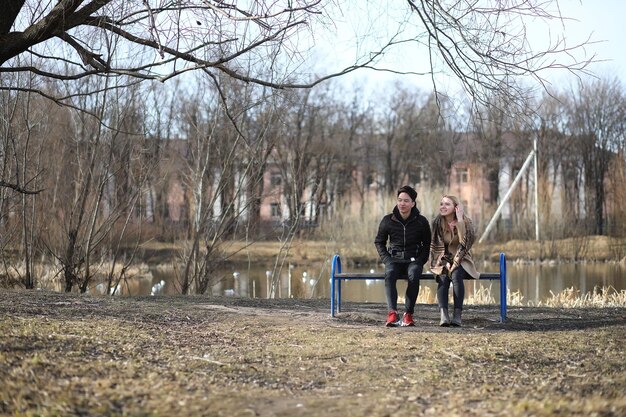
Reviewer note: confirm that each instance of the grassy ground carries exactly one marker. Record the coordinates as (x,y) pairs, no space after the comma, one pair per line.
(70,355)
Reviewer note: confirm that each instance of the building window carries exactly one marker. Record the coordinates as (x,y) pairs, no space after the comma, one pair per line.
(275,210)
(275,179)
(323,210)
(462,175)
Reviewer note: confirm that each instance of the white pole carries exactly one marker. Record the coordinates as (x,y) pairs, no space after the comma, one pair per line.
(289,268)
(536,192)
(507,195)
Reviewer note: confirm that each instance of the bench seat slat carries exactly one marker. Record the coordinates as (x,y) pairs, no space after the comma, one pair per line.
(379,275)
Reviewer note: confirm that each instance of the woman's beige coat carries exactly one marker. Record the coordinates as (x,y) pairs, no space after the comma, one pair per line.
(459,241)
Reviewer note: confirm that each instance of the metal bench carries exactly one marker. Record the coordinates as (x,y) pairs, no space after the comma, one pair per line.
(336,277)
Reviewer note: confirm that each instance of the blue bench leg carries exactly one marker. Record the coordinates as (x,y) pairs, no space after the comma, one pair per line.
(338,296)
(502,288)
(332,296)
(335,286)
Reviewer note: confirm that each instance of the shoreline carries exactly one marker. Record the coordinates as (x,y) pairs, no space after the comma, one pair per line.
(590,249)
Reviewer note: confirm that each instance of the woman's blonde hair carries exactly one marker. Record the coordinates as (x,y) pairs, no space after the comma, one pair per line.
(455,200)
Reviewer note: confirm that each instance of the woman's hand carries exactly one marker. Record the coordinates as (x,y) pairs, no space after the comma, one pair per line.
(459,211)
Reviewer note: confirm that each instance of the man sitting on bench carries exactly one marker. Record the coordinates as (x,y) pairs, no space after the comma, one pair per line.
(403,243)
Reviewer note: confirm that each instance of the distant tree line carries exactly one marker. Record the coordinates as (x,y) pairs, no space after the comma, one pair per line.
(99,186)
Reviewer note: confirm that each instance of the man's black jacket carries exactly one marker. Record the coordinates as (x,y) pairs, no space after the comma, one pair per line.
(407,239)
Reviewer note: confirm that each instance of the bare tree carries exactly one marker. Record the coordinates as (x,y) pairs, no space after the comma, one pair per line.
(226,148)
(157,39)
(307,148)
(485,45)
(164,152)
(595,118)
(395,128)
(25,129)
(100,180)
(355,157)
(559,172)
(492,122)
(295,153)
(437,139)
(488,48)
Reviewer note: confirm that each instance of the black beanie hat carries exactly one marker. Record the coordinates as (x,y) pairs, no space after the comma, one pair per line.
(409,190)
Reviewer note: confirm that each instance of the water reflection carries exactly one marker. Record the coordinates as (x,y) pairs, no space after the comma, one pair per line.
(535,282)
(539,282)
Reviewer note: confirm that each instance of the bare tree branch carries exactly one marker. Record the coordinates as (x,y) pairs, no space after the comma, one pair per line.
(485,45)
(18,188)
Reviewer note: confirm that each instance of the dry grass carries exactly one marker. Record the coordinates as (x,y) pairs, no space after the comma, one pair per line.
(590,248)
(596,248)
(71,355)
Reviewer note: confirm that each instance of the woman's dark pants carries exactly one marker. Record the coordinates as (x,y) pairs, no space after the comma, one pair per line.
(458,288)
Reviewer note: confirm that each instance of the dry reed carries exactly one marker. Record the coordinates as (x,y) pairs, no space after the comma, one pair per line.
(569,298)
(599,297)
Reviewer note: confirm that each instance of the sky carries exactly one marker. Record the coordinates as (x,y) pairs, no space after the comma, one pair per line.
(600,20)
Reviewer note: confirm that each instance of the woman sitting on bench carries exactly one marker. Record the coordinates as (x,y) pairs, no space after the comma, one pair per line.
(450,257)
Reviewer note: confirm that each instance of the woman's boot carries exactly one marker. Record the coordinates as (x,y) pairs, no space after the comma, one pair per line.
(445,318)
(456,319)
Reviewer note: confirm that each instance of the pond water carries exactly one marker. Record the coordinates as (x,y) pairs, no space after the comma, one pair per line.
(534,282)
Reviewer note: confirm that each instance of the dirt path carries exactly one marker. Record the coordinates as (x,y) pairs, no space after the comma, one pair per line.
(72,354)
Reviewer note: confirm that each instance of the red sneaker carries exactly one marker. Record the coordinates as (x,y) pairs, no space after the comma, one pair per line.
(392,319)
(407,320)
